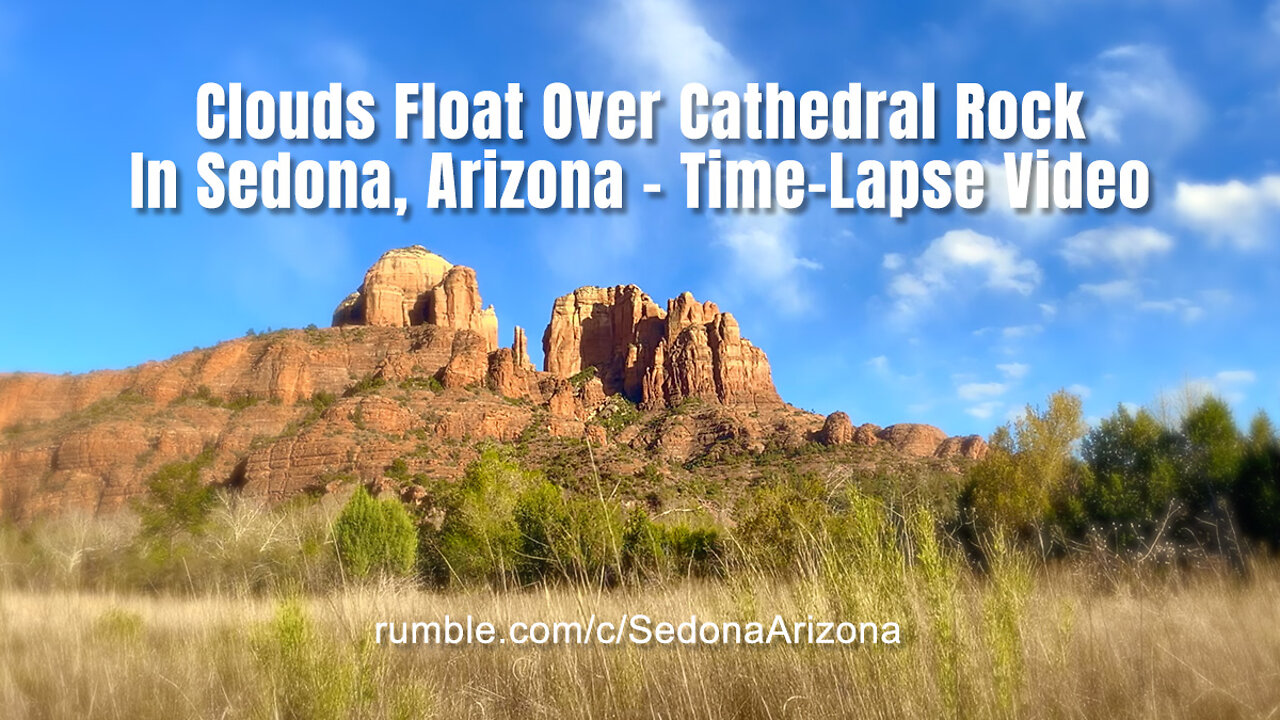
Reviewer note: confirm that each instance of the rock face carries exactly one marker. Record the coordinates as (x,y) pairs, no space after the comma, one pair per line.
(413,286)
(412,370)
(913,439)
(867,434)
(836,430)
(972,447)
(510,372)
(653,357)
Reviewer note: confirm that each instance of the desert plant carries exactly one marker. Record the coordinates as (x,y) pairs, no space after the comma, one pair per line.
(375,536)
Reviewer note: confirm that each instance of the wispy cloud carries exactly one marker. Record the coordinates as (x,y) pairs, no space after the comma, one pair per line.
(1140,100)
(1121,245)
(665,44)
(1011,332)
(1180,307)
(960,254)
(981,390)
(1272,17)
(1014,370)
(1236,213)
(1130,293)
(763,251)
(1112,291)
(1236,377)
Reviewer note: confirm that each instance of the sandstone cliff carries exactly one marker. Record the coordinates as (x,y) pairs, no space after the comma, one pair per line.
(653,357)
(411,374)
(413,286)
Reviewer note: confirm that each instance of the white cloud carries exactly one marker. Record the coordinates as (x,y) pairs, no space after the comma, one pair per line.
(1013,332)
(1173,403)
(1138,99)
(1020,331)
(763,253)
(1084,391)
(1014,370)
(1048,309)
(1121,245)
(1235,377)
(1236,213)
(1181,307)
(984,410)
(879,363)
(963,254)
(980,391)
(1113,291)
(893,261)
(1130,292)
(665,42)
(1272,17)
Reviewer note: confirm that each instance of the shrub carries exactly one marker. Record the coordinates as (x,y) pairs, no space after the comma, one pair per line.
(366,385)
(309,675)
(375,536)
(430,382)
(176,500)
(776,519)
(478,538)
(583,376)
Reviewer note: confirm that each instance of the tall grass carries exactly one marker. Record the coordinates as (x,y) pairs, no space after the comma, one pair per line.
(256,611)
(1197,647)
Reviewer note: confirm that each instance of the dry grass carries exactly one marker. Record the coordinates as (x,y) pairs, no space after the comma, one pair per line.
(1064,644)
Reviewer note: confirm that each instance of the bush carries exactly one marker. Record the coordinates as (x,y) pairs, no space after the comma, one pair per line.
(583,376)
(310,675)
(375,536)
(176,501)
(478,538)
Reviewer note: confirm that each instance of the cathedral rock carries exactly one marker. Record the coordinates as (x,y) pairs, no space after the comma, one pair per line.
(656,357)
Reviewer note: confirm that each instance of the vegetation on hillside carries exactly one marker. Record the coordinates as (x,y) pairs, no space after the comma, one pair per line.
(1121,570)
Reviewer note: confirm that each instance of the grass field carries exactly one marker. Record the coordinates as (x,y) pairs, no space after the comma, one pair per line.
(1068,642)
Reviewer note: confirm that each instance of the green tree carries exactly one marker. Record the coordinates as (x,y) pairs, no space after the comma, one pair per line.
(1256,495)
(1028,466)
(479,538)
(1211,455)
(375,536)
(1132,472)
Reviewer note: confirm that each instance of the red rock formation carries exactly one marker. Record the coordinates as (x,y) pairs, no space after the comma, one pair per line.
(605,328)
(867,434)
(652,357)
(510,372)
(407,373)
(413,286)
(913,439)
(972,447)
(836,430)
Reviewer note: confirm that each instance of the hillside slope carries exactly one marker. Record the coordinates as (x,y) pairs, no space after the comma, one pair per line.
(410,382)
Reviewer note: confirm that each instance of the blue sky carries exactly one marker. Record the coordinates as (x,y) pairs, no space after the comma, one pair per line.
(952,318)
